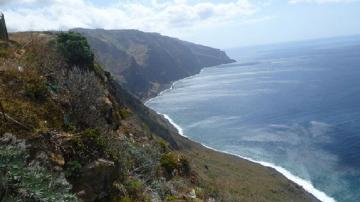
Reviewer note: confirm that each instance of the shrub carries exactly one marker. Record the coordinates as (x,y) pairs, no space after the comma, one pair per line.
(94,138)
(124,113)
(169,162)
(172,161)
(36,90)
(4,50)
(90,144)
(84,90)
(126,199)
(73,169)
(30,183)
(163,145)
(75,49)
(171,198)
(184,166)
(135,187)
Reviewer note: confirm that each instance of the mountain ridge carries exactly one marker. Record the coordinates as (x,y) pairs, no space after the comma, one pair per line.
(147,63)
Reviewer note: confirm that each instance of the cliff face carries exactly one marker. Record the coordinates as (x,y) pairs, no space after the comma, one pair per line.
(146,63)
(3,31)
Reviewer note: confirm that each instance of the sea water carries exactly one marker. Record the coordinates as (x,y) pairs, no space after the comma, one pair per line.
(294,107)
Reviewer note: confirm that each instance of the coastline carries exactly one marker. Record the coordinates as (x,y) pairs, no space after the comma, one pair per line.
(306,185)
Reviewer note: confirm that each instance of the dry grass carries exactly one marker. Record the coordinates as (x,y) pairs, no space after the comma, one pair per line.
(27,106)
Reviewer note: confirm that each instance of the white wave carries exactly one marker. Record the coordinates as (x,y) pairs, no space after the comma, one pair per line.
(214,121)
(178,128)
(305,184)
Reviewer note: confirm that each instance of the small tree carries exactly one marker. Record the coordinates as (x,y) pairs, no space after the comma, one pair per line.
(75,49)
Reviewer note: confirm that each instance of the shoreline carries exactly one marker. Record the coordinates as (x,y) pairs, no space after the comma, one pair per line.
(305,184)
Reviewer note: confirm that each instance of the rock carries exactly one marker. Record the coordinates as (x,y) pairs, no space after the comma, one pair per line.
(3,31)
(41,156)
(58,159)
(98,177)
(192,194)
(155,197)
(41,159)
(8,138)
(81,194)
(21,145)
(211,200)
(100,163)
(3,185)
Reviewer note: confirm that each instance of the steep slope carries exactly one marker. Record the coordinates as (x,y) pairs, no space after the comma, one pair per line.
(70,132)
(146,63)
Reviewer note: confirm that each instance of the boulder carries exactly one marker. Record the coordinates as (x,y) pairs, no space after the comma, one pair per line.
(97,177)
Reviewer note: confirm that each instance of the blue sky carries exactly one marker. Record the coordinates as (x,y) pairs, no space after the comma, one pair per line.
(218,23)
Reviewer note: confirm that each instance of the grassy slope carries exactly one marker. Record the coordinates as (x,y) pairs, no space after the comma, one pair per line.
(240,179)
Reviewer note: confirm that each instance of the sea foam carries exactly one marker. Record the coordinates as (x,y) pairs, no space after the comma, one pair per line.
(305,184)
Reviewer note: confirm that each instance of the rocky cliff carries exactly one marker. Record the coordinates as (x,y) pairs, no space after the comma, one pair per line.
(3,31)
(146,63)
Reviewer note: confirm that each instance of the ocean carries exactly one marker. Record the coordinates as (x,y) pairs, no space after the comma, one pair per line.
(293,106)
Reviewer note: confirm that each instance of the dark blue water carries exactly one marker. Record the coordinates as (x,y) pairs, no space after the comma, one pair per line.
(293,105)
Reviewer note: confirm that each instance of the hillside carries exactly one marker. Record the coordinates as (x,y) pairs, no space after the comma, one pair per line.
(147,63)
(70,132)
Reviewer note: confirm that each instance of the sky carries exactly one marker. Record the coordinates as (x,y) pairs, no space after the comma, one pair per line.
(218,23)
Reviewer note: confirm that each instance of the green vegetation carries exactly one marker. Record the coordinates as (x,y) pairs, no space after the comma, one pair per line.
(30,183)
(36,90)
(173,162)
(135,188)
(75,49)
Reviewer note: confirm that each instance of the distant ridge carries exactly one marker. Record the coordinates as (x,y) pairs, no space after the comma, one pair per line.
(147,63)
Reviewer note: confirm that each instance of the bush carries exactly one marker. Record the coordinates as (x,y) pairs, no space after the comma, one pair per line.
(36,90)
(163,145)
(169,162)
(94,138)
(84,90)
(73,169)
(184,166)
(174,162)
(89,145)
(75,49)
(124,113)
(135,187)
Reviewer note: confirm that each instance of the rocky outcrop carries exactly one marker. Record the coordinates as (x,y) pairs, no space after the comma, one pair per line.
(98,177)
(3,31)
(147,63)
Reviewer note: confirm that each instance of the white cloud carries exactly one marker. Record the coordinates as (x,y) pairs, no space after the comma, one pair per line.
(319,1)
(174,15)
(2,2)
